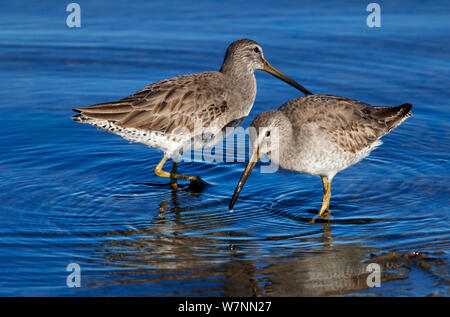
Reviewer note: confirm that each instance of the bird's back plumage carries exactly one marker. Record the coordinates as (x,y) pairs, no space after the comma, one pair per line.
(178,109)
(165,105)
(351,124)
(332,133)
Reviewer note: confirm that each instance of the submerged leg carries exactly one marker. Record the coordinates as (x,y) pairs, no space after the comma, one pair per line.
(195,180)
(326,195)
(173,181)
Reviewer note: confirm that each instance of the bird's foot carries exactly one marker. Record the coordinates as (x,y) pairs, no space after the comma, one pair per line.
(197,184)
(174,185)
(324,215)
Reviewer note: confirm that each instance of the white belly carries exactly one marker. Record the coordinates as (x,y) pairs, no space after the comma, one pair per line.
(168,143)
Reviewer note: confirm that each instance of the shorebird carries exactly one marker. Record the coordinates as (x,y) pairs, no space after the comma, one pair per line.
(320,135)
(187,112)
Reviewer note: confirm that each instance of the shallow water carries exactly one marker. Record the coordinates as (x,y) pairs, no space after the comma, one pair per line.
(70,193)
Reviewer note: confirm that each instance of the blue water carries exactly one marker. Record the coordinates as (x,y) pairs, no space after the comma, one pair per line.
(70,193)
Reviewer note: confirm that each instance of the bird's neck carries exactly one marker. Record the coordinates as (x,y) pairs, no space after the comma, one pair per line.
(286,142)
(243,81)
(237,70)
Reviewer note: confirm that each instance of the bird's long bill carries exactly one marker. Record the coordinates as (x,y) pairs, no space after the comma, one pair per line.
(275,72)
(248,169)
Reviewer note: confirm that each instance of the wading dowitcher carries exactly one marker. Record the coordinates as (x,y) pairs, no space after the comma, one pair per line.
(189,111)
(320,135)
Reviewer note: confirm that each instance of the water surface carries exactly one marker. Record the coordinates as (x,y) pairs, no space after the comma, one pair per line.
(70,193)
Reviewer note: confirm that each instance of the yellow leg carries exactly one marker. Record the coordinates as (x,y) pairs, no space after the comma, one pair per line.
(174,176)
(326,195)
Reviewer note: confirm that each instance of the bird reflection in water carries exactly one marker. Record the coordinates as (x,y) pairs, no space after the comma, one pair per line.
(184,250)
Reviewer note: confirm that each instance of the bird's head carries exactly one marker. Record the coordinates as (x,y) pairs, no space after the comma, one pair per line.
(247,55)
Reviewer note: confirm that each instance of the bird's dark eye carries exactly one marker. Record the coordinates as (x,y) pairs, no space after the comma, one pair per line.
(267,133)
(256,50)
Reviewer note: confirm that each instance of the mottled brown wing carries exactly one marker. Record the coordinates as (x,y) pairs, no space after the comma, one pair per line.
(359,125)
(351,124)
(177,102)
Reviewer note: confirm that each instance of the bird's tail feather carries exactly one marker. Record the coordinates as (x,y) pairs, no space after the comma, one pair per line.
(393,116)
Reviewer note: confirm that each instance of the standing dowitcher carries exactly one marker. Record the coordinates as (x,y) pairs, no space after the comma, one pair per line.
(320,135)
(189,111)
